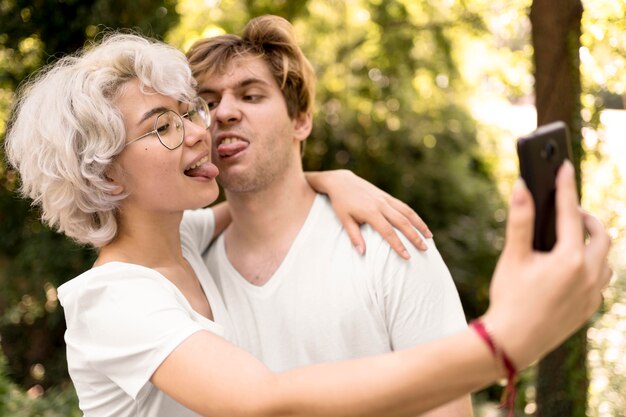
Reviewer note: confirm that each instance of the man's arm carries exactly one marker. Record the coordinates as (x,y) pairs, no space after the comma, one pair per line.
(222,218)
(357,202)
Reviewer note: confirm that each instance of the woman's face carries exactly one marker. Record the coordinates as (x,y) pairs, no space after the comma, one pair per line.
(155,177)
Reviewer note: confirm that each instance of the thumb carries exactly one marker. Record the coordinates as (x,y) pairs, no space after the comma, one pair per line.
(519,225)
(569,225)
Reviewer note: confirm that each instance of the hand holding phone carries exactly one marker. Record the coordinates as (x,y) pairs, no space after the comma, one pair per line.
(541,154)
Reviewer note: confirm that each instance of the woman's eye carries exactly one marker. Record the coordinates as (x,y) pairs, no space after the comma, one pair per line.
(163,127)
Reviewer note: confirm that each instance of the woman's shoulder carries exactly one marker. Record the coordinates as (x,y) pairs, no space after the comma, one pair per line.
(111,277)
(108,271)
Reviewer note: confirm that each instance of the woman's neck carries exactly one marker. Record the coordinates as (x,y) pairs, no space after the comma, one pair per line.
(153,240)
(145,238)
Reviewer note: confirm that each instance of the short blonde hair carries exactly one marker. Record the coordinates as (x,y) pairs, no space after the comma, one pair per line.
(271,38)
(65,132)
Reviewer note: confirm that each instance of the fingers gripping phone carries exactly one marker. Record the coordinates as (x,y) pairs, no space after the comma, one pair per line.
(540,154)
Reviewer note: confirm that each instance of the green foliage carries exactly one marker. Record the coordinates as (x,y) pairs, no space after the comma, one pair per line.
(603,58)
(608,346)
(36,261)
(60,401)
(287,9)
(34,31)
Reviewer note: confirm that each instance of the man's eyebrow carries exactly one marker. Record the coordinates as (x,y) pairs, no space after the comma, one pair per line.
(152,112)
(251,81)
(241,84)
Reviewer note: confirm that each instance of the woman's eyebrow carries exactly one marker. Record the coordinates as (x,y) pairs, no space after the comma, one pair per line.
(152,112)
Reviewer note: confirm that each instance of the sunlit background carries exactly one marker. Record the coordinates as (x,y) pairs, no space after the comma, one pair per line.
(485,73)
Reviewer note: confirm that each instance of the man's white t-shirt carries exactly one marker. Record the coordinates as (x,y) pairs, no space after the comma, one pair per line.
(325,302)
(124,319)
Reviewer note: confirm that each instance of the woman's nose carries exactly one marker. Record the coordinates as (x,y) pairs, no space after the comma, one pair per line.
(195,133)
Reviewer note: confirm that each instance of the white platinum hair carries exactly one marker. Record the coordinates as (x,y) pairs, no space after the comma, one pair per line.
(65,132)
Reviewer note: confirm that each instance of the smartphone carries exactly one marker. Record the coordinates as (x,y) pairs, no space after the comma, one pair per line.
(540,155)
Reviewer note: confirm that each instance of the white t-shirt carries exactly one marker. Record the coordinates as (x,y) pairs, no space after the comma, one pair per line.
(325,302)
(123,320)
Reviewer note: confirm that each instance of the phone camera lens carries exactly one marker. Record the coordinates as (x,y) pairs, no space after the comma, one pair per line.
(549,150)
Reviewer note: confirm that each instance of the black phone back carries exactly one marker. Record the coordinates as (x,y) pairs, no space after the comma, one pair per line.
(540,154)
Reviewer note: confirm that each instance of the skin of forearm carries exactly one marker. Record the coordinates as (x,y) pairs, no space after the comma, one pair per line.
(212,377)
(316,181)
(404,383)
(461,407)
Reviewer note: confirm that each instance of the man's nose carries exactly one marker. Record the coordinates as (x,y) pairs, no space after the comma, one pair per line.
(227,111)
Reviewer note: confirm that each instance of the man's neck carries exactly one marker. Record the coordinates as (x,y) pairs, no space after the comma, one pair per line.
(265,224)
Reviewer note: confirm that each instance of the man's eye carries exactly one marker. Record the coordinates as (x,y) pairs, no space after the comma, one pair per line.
(212,101)
(252,97)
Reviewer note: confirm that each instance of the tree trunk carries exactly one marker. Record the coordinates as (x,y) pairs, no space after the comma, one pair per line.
(562,380)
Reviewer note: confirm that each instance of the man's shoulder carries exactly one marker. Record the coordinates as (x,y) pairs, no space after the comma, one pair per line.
(326,220)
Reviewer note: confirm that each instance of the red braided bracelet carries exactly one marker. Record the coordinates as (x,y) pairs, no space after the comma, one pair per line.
(508,396)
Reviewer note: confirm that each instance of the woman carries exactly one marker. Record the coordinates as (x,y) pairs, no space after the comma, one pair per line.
(113,145)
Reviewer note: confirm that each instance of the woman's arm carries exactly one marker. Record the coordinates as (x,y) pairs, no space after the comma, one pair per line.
(357,201)
(214,378)
(528,316)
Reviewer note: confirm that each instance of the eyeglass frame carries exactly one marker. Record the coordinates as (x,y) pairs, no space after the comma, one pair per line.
(182,118)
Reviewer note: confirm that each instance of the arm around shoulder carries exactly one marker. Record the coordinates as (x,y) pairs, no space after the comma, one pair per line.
(357,201)
(221,211)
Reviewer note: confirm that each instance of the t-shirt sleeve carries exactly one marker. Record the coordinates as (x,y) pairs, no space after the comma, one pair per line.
(197,228)
(418,297)
(125,325)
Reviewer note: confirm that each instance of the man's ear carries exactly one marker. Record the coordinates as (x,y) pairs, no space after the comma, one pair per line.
(113,176)
(302,124)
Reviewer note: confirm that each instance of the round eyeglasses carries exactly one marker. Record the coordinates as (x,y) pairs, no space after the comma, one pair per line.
(169,127)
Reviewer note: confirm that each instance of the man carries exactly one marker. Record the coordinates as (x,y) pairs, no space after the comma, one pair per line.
(288,273)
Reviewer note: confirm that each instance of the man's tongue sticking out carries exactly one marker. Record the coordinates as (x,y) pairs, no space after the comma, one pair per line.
(230,147)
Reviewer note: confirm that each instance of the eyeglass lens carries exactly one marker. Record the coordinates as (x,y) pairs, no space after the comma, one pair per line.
(169,128)
(169,125)
(199,113)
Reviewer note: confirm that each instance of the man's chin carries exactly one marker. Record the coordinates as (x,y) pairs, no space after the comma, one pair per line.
(236,183)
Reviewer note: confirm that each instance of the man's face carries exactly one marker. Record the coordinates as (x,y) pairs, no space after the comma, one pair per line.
(254,140)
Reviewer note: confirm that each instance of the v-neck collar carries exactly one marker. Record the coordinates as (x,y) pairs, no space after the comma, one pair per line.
(279,275)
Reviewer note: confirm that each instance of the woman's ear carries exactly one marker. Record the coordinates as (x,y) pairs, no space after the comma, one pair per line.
(303,124)
(113,176)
